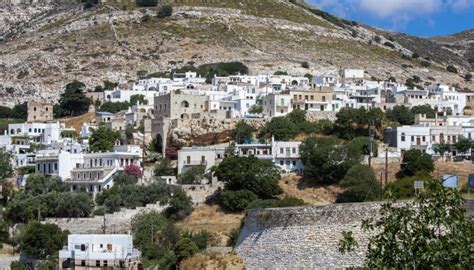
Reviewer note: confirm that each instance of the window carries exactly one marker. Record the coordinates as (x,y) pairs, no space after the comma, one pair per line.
(97,263)
(412,138)
(105,263)
(83,262)
(424,138)
(83,247)
(281,150)
(293,150)
(403,136)
(281,162)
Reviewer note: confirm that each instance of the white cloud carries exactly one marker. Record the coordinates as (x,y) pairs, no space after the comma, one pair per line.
(384,9)
(460,5)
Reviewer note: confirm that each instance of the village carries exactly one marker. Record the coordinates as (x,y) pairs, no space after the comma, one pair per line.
(176,131)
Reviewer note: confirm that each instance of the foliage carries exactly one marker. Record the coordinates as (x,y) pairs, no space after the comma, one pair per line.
(361,145)
(222,69)
(73,101)
(114,107)
(423,109)
(414,161)
(165,11)
(389,44)
(40,240)
(180,205)
(192,175)
(5,122)
(133,170)
(146,3)
(452,69)
(234,236)
(468,77)
(250,173)
(431,232)
(305,65)
(146,229)
(124,178)
(280,127)
(185,247)
(425,63)
(404,188)
(280,73)
(256,109)
(140,99)
(20,111)
(287,201)
(415,55)
(200,238)
(243,132)
(5,112)
(463,144)
(326,160)
(441,148)
(237,200)
(361,185)
(19,265)
(400,114)
(29,169)
(163,167)
(351,123)
(68,134)
(37,184)
(6,168)
(103,139)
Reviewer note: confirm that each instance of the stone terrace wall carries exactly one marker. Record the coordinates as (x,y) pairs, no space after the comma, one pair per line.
(303,237)
(118,222)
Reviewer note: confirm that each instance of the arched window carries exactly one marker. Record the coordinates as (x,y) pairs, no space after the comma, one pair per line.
(12,131)
(185,104)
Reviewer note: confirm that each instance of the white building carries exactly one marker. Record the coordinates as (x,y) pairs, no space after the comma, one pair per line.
(99,251)
(284,155)
(194,156)
(277,105)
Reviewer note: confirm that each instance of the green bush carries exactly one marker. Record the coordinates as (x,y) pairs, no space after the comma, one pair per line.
(425,63)
(238,200)
(234,236)
(360,185)
(165,11)
(287,201)
(452,69)
(146,3)
(185,247)
(192,175)
(305,65)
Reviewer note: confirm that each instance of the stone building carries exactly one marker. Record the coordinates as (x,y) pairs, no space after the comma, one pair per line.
(178,105)
(39,111)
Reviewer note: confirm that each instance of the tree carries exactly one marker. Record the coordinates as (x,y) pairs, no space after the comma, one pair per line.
(423,109)
(463,144)
(415,55)
(243,132)
(73,101)
(414,161)
(237,200)
(403,188)
(122,179)
(103,139)
(114,107)
(138,99)
(442,148)
(192,175)
(256,109)
(185,247)
(180,205)
(41,240)
(326,160)
(431,232)
(37,184)
(400,114)
(360,185)
(361,145)
(133,170)
(146,3)
(164,168)
(250,173)
(75,204)
(375,117)
(6,168)
(352,122)
(452,69)
(146,228)
(20,111)
(165,11)
(5,112)
(279,127)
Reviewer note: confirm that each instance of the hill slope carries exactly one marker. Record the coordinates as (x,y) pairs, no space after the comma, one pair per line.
(52,44)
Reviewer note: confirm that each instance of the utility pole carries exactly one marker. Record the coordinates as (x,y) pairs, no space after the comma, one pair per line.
(386,166)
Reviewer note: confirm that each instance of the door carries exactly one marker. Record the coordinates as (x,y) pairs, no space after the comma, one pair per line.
(418,142)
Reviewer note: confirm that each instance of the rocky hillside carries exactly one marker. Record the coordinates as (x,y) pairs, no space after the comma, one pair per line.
(461,43)
(47,45)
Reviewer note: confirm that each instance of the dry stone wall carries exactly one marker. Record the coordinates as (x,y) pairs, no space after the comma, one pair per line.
(303,237)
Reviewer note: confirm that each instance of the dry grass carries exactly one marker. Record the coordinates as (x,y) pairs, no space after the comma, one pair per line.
(293,185)
(76,122)
(214,220)
(213,261)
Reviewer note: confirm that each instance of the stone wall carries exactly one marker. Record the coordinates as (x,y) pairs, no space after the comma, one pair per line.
(303,237)
(118,222)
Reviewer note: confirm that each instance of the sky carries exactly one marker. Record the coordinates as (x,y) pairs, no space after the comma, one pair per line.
(424,18)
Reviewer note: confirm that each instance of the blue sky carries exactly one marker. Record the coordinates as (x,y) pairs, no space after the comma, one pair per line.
(416,17)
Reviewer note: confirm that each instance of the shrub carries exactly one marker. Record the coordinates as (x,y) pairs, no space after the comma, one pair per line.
(452,69)
(234,236)
(288,201)
(238,200)
(415,55)
(305,65)
(468,77)
(377,39)
(414,161)
(425,63)
(134,170)
(389,44)
(146,3)
(165,11)
(361,185)
(278,73)
(185,247)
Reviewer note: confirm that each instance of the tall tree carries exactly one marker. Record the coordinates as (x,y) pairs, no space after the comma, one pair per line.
(463,144)
(41,240)
(360,185)
(73,101)
(431,232)
(6,167)
(442,148)
(414,161)
(400,114)
(243,132)
(20,111)
(103,139)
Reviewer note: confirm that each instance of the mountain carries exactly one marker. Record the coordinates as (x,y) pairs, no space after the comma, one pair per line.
(47,45)
(461,43)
